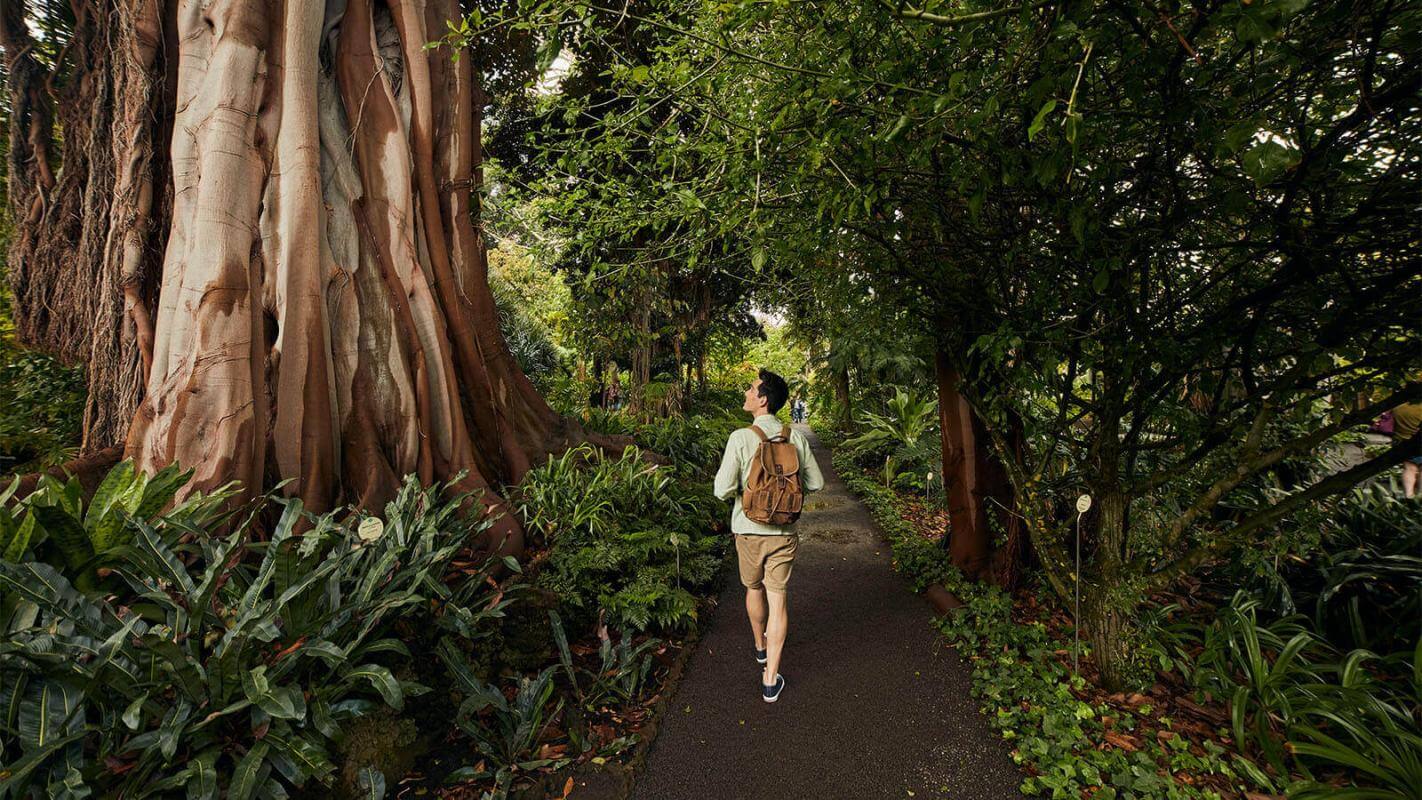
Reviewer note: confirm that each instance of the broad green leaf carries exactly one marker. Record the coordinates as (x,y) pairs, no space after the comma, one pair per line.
(18,773)
(897,129)
(1039,121)
(133,714)
(160,490)
(20,540)
(51,711)
(102,520)
(1268,160)
(248,773)
(67,534)
(371,783)
(170,732)
(10,490)
(309,758)
(384,683)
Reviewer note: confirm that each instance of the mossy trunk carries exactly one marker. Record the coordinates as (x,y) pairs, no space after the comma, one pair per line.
(1104,615)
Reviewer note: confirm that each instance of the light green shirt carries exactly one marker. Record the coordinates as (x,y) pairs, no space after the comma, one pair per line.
(735,468)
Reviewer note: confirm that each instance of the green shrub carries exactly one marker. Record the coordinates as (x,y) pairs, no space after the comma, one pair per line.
(527,337)
(504,731)
(1028,693)
(692,444)
(716,401)
(625,537)
(56,524)
(225,666)
(900,443)
(41,410)
(1364,574)
(1364,726)
(1260,669)
(1305,712)
(621,673)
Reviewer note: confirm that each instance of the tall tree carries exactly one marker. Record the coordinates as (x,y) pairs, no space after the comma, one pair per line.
(262,240)
(1101,211)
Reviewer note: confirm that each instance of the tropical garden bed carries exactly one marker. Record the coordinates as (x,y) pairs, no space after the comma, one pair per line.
(266,650)
(1230,700)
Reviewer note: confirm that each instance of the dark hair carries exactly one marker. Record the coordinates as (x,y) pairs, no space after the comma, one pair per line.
(774,389)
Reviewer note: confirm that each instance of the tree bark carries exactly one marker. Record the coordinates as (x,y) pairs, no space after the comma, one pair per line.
(1103,592)
(1103,610)
(977,487)
(323,319)
(83,262)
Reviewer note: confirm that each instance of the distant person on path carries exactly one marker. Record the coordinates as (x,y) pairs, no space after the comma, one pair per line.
(766,550)
(1406,420)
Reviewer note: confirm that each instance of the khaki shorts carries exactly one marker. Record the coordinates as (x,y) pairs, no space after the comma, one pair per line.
(766,561)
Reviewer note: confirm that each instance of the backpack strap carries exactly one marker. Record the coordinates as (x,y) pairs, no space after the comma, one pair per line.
(784,434)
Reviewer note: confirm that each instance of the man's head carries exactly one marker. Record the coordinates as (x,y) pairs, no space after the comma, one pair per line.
(766,394)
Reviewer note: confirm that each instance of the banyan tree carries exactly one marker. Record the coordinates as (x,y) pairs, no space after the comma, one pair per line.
(255,221)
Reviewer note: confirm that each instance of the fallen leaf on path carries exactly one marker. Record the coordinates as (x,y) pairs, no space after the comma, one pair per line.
(1123,742)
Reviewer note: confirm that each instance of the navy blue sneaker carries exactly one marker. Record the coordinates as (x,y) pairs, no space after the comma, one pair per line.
(772,693)
(761,656)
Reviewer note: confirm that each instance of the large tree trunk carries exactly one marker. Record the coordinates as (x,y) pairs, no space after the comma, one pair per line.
(976,485)
(324,317)
(85,256)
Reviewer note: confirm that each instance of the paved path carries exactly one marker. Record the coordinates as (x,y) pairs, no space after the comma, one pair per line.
(875,704)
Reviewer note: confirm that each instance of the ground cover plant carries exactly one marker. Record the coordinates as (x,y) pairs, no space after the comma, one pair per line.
(224,666)
(1060,732)
(1230,702)
(627,542)
(161,645)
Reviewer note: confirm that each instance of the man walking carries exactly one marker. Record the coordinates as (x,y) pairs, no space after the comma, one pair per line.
(766,550)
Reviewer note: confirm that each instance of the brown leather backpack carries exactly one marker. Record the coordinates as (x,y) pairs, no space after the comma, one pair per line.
(773,494)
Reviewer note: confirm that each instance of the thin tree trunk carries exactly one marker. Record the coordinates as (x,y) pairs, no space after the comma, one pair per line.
(978,489)
(969,534)
(844,411)
(1105,604)
(1103,614)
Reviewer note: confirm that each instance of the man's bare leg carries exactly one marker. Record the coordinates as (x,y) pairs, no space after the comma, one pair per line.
(757,611)
(776,625)
(1410,473)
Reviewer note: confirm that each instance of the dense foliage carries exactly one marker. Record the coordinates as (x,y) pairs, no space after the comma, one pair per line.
(41,400)
(188,647)
(626,539)
(1309,717)
(222,665)
(1167,250)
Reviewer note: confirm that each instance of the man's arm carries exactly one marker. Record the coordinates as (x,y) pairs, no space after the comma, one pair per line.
(728,477)
(810,476)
